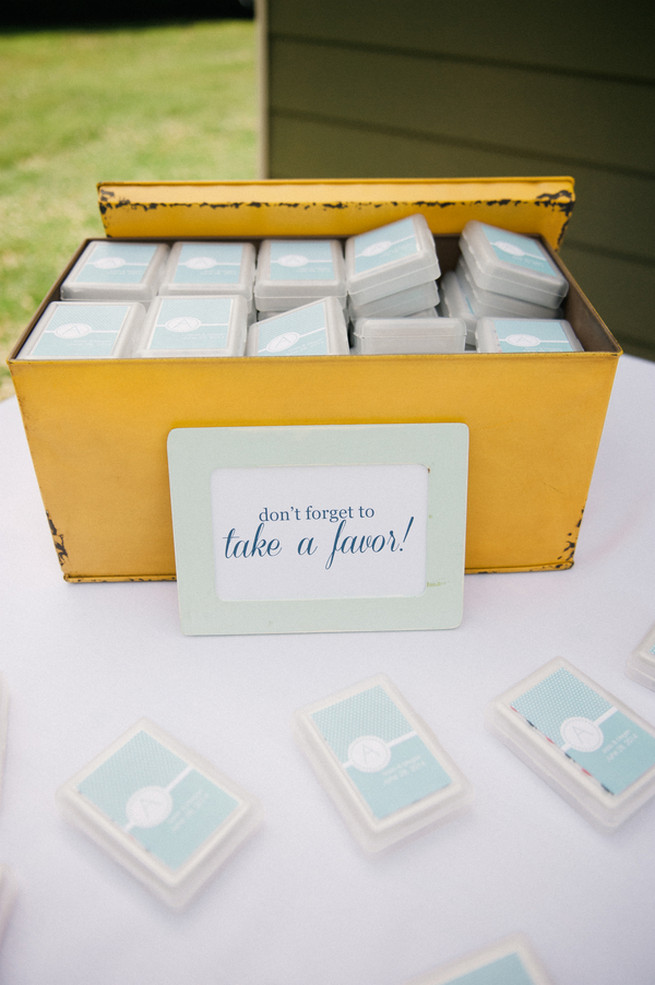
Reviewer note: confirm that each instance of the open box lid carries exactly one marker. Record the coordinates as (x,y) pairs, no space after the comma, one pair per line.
(256,209)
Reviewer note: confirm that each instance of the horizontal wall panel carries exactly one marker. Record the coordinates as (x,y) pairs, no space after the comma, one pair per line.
(565,35)
(601,229)
(510,109)
(621,292)
(615,213)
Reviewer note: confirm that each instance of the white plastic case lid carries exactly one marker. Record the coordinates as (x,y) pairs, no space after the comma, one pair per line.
(409,335)
(589,746)
(381,764)
(510,961)
(525,335)
(292,272)
(196,325)
(159,810)
(85,330)
(210,267)
(390,258)
(399,304)
(115,270)
(512,263)
(640,665)
(316,329)
(489,303)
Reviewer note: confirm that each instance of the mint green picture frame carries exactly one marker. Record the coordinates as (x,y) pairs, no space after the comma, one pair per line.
(195,453)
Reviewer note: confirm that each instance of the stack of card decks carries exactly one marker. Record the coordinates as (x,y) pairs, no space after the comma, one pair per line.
(292,273)
(597,753)
(392,270)
(503,267)
(501,274)
(383,767)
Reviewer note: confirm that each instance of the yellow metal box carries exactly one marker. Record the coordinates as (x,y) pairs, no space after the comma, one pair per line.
(97,429)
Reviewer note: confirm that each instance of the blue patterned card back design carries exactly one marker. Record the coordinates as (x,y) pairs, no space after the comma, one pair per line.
(163,802)
(606,743)
(385,759)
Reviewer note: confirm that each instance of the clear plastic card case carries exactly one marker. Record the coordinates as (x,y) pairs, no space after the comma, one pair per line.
(510,961)
(390,258)
(85,330)
(640,665)
(208,267)
(511,263)
(291,273)
(408,335)
(385,770)
(504,305)
(315,329)
(399,304)
(525,335)
(195,325)
(166,815)
(589,746)
(116,270)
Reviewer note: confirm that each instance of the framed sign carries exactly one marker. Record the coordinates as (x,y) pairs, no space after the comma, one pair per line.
(319,528)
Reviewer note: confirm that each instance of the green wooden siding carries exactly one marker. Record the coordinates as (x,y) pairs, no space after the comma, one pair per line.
(424,89)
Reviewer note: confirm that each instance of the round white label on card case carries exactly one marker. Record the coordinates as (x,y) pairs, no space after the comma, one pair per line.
(511,248)
(581,734)
(281,342)
(148,807)
(108,263)
(523,339)
(73,330)
(369,753)
(376,248)
(292,260)
(199,263)
(184,323)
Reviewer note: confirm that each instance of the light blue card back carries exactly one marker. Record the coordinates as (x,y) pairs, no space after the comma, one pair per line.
(385,245)
(600,738)
(165,804)
(301,260)
(379,750)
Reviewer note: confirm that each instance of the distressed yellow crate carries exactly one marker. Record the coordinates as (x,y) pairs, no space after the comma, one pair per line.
(97,429)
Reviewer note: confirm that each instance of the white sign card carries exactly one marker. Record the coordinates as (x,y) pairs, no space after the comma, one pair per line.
(319,528)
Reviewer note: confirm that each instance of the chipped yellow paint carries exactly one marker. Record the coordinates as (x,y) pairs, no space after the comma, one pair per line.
(332,208)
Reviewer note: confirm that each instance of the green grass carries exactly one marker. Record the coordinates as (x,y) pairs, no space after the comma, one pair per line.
(167,102)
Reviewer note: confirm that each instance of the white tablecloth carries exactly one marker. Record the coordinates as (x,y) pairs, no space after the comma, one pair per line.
(300,904)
